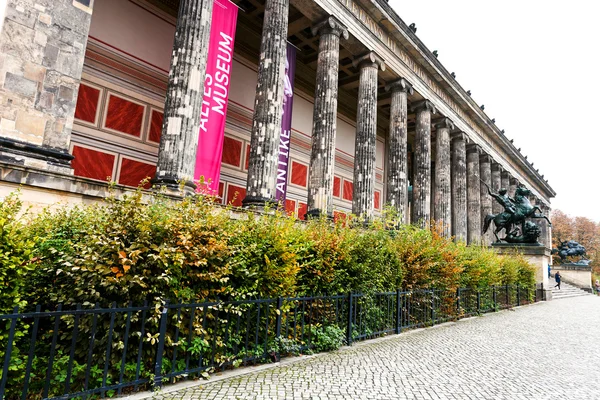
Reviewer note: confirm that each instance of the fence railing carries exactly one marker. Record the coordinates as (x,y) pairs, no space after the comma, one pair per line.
(99,351)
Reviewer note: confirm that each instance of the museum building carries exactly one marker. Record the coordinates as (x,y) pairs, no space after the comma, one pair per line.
(98,90)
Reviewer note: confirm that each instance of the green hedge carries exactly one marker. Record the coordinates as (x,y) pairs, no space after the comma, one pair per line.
(151,248)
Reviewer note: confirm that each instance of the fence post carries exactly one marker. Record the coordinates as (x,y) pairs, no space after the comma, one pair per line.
(398,312)
(494,298)
(507,296)
(278,312)
(161,347)
(349,327)
(518,295)
(11,336)
(457,301)
(432,307)
(478,301)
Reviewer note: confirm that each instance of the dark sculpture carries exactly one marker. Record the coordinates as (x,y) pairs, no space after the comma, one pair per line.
(513,218)
(571,248)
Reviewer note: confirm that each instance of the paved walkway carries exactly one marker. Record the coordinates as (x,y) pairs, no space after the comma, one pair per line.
(545,351)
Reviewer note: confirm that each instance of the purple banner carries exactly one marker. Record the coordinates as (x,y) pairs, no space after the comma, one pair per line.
(286,125)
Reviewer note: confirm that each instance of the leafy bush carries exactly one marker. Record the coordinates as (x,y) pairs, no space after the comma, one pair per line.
(327,338)
(16,250)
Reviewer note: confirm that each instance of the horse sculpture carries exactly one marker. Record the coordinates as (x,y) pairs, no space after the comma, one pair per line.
(516,211)
(570,248)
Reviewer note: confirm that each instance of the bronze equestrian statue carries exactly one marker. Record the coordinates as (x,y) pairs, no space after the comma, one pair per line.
(571,248)
(513,219)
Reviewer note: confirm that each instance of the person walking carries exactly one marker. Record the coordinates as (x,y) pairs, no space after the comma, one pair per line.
(557,279)
(597,286)
(549,270)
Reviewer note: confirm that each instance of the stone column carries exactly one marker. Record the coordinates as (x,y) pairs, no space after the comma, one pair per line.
(485,173)
(496,185)
(505,182)
(459,186)
(547,211)
(268,103)
(320,183)
(397,162)
(366,135)
(512,186)
(442,209)
(421,206)
(183,104)
(42,48)
(473,195)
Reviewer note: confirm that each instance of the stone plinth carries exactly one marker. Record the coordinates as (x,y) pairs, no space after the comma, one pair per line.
(576,274)
(538,255)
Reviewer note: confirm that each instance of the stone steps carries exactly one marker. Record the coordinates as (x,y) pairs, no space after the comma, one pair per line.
(566,291)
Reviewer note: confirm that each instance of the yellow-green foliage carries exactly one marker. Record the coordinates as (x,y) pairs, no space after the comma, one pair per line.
(15,254)
(152,248)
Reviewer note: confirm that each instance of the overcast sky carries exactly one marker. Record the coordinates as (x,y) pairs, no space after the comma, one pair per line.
(535,65)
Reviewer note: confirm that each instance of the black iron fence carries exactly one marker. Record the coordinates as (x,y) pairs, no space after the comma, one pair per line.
(98,351)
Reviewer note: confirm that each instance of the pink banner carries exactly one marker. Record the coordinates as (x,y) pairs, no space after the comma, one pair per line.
(216,96)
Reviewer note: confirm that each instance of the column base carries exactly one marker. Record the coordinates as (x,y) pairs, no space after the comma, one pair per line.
(317,213)
(259,203)
(174,186)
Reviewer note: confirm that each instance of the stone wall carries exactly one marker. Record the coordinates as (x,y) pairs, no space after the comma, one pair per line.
(42,47)
(578,275)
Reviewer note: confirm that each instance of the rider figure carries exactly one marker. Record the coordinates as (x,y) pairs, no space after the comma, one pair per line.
(503,198)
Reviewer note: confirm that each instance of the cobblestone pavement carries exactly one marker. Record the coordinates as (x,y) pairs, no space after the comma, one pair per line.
(545,351)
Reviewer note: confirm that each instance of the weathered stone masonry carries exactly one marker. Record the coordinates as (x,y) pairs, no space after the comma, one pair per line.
(443,191)
(485,172)
(320,185)
(473,195)
(41,59)
(397,162)
(459,186)
(421,206)
(366,135)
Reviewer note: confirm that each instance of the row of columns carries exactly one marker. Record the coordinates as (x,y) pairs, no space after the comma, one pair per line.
(460,201)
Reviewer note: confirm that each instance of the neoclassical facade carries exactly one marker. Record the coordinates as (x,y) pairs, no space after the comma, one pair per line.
(92,90)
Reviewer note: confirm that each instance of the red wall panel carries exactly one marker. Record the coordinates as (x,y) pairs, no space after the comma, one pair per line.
(133,172)
(124,116)
(87,103)
(92,163)
(231,194)
(156,122)
(232,152)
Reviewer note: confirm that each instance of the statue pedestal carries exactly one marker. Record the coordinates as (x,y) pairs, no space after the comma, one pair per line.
(539,256)
(579,275)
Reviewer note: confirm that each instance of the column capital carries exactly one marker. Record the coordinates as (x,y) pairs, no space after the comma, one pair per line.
(369,59)
(423,105)
(443,122)
(473,148)
(506,174)
(399,85)
(485,157)
(458,135)
(496,166)
(330,25)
